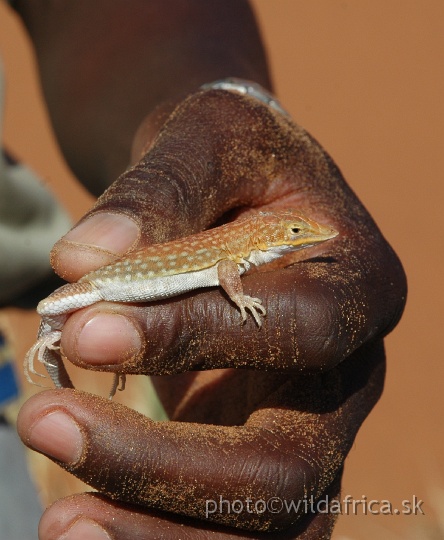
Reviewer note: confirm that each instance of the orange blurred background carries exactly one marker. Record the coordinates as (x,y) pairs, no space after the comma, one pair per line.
(366,79)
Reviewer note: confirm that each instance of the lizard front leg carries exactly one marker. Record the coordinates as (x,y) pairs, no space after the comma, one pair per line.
(230,281)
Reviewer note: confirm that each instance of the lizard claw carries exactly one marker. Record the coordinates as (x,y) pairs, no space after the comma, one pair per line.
(254,306)
(40,348)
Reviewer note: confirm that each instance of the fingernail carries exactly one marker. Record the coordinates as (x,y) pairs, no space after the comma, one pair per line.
(114,232)
(85,529)
(108,339)
(57,435)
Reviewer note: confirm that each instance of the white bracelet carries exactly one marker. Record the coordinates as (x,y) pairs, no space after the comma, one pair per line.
(247,88)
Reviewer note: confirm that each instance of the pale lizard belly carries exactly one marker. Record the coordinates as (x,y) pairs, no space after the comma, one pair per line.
(155,288)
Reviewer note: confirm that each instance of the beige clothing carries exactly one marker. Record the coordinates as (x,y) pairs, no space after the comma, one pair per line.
(31,221)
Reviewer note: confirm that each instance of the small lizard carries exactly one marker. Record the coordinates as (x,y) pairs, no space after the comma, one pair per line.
(213,257)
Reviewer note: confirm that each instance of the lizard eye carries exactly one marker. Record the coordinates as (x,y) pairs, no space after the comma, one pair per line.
(295,230)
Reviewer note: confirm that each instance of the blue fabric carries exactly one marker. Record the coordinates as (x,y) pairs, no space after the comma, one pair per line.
(9,389)
(8,384)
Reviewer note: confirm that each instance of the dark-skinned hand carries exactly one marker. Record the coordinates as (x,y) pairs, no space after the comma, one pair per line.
(256,414)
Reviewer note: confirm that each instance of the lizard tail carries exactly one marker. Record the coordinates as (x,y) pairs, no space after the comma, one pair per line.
(56,370)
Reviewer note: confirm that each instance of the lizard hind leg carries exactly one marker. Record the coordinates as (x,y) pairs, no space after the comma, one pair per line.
(40,349)
(46,348)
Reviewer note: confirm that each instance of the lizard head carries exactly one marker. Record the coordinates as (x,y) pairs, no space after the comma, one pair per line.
(290,230)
